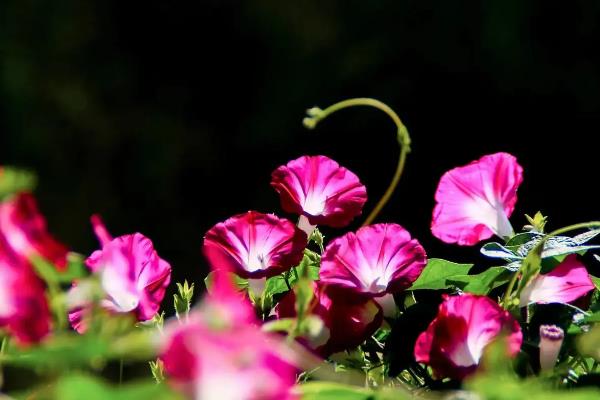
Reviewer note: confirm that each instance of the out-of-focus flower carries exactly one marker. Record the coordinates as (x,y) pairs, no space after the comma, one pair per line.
(567,282)
(133,276)
(24,310)
(348,319)
(23,229)
(254,245)
(377,259)
(221,353)
(474,201)
(319,189)
(455,340)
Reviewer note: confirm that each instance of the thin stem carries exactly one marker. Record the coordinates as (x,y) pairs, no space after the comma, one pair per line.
(287,282)
(316,115)
(574,227)
(2,350)
(120,371)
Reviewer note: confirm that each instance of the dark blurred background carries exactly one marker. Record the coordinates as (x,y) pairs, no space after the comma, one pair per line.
(169,116)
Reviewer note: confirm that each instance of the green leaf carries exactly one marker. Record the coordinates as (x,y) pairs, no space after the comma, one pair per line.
(483,282)
(304,295)
(595,317)
(333,391)
(496,250)
(338,391)
(241,283)
(437,272)
(276,285)
(279,325)
(84,387)
(14,180)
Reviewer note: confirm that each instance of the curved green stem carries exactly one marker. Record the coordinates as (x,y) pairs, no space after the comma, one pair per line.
(316,114)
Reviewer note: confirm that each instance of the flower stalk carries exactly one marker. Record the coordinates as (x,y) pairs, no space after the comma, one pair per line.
(315,115)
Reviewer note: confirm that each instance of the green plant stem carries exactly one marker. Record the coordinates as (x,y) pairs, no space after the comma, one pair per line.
(2,350)
(316,115)
(120,371)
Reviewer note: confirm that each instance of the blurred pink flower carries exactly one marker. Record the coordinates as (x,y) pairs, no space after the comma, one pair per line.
(254,245)
(378,259)
(565,283)
(24,231)
(348,319)
(454,342)
(133,276)
(319,189)
(473,202)
(214,356)
(24,309)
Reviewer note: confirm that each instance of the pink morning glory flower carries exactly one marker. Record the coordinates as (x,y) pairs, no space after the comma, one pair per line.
(567,282)
(319,189)
(473,202)
(454,342)
(23,229)
(212,356)
(348,319)
(254,245)
(133,276)
(24,311)
(377,259)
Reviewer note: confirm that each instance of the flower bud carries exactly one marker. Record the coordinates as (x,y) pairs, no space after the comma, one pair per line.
(551,338)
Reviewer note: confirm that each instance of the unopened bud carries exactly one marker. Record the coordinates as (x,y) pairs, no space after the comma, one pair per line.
(551,338)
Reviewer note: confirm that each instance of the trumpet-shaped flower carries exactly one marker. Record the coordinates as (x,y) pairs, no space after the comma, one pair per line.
(456,339)
(473,202)
(348,319)
(377,259)
(24,310)
(254,245)
(565,283)
(23,229)
(319,189)
(215,356)
(133,276)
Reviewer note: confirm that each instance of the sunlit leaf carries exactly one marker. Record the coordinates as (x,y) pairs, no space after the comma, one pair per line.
(483,282)
(437,272)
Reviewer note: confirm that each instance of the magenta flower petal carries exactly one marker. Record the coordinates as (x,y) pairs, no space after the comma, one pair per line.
(378,259)
(213,356)
(24,231)
(564,284)
(318,188)
(473,202)
(133,276)
(24,311)
(456,339)
(349,319)
(254,245)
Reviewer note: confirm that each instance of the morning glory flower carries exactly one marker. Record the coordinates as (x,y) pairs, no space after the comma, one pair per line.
(376,260)
(254,245)
(567,282)
(221,353)
(454,342)
(320,190)
(474,202)
(24,311)
(23,229)
(133,276)
(348,319)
